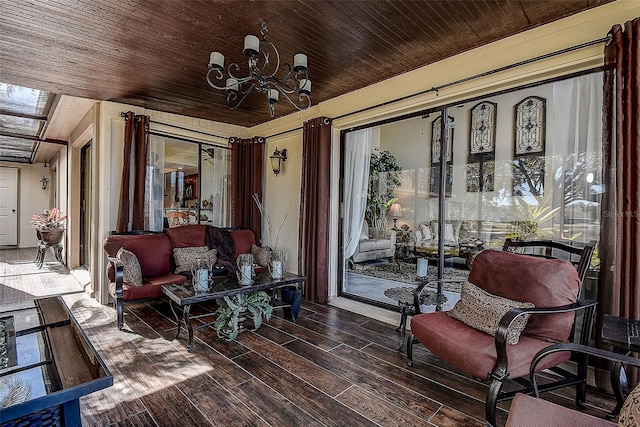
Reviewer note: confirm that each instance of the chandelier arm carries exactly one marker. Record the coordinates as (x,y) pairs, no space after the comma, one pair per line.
(264,70)
(232,96)
(218,77)
(301,97)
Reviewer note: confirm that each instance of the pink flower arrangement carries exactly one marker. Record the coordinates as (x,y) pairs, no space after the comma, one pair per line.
(49,219)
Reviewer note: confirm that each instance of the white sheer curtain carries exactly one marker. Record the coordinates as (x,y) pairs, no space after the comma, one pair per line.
(577,152)
(356,166)
(154,187)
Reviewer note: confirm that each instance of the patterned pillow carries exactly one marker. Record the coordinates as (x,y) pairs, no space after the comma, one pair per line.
(630,412)
(483,311)
(426,232)
(262,256)
(185,257)
(131,267)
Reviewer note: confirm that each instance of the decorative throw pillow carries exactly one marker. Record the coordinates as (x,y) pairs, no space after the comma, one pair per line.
(132,273)
(364,232)
(630,412)
(426,232)
(418,235)
(262,256)
(449,235)
(185,257)
(483,311)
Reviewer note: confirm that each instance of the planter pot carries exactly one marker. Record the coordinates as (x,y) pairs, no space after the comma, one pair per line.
(292,296)
(50,237)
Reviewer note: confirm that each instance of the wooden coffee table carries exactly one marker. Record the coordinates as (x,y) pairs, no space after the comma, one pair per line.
(183,296)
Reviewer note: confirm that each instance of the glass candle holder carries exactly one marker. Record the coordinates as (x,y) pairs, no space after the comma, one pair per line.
(245,269)
(278,264)
(200,273)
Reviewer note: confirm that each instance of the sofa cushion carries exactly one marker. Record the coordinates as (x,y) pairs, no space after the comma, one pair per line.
(186,257)
(243,240)
(630,412)
(151,287)
(131,272)
(543,282)
(261,255)
(153,251)
(374,245)
(191,235)
(483,311)
(475,352)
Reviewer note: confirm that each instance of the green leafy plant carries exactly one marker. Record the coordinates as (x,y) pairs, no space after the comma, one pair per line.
(49,219)
(383,180)
(233,309)
(530,216)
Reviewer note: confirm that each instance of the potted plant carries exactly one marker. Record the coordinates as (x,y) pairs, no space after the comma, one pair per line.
(235,309)
(383,180)
(49,225)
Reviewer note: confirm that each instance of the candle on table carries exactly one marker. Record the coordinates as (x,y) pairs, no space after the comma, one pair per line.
(422,267)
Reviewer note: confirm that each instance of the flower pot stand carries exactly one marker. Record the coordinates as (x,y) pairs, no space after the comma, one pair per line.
(45,243)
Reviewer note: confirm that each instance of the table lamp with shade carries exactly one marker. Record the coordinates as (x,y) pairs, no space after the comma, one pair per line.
(395,211)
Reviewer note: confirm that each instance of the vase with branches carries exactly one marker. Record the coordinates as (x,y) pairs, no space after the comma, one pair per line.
(269,239)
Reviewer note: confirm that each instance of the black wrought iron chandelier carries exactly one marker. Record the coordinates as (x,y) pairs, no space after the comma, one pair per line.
(262,77)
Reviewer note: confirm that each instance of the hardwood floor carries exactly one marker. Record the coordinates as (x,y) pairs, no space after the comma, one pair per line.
(330,368)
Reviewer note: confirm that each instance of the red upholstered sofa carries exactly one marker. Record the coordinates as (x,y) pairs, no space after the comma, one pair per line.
(155,255)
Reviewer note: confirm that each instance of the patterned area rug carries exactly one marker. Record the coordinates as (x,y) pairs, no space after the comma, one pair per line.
(407,273)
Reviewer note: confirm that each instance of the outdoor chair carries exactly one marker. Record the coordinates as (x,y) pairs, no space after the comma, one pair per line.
(528,301)
(529,410)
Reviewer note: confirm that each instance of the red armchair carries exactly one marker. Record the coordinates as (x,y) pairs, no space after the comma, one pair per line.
(552,285)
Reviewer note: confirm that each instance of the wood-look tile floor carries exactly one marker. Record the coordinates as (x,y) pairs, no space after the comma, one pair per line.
(330,368)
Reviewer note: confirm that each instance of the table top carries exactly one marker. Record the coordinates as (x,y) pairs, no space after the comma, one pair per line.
(621,332)
(45,350)
(220,287)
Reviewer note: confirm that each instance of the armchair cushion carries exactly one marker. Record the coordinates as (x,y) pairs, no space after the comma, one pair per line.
(483,311)
(131,271)
(473,351)
(543,282)
(526,410)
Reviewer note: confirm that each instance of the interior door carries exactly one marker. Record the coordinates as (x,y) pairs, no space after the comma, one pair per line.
(8,206)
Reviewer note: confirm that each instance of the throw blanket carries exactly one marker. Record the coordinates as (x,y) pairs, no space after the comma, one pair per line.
(217,238)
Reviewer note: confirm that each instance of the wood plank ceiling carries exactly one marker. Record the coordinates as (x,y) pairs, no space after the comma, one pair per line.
(154,54)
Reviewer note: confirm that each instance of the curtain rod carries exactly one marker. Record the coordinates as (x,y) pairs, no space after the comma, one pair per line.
(436,89)
(226,138)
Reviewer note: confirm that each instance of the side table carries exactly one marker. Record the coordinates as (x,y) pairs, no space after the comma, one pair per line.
(624,336)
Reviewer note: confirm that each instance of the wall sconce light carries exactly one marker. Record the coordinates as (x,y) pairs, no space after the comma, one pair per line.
(276,160)
(44,182)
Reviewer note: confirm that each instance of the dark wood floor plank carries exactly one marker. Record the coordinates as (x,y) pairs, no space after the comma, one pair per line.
(274,409)
(449,417)
(379,410)
(219,405)
(405,378)
(296,330)
(326,410)
(172,408)
(322,379)
(332,333)
(359,374)
(142,419)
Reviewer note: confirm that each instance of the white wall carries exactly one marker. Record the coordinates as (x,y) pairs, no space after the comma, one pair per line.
(31,199)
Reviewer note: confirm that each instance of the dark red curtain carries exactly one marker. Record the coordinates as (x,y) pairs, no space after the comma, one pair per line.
(247,160)
(619,246)
(136,143)
(313,247)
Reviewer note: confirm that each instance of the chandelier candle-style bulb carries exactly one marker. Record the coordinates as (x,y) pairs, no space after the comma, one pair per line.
(305,86)
(299,62)
(273,95)
(251,45)
(232,85)
(216,60)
